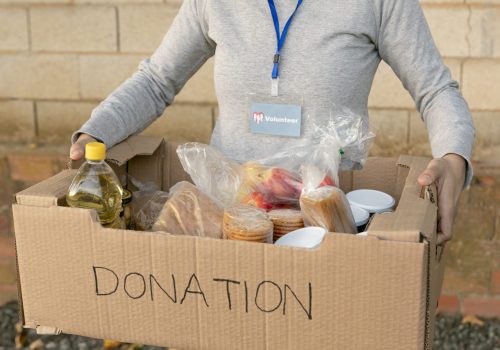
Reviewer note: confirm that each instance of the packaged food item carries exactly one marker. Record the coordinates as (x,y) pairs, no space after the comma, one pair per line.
(371,200)
(189,211)
(146,208)
(96,186)
(247,223)
(327,207)
(126,213)
(285,221)
(361,217)
(276,181)
(269,187)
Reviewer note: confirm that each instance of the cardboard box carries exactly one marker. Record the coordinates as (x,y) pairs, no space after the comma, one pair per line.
(375,292)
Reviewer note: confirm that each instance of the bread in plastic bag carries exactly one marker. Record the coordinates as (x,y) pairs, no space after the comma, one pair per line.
(189,211)
(329,208)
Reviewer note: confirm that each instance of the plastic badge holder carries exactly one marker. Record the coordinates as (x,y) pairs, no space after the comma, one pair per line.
(371,200)
(308,237)
(361,217)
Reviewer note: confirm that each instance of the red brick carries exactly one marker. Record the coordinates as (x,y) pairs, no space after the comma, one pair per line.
(34,168)
(487,307)
(8,293)
(448,304)
(5,220)
(7,246)
(495,282)
(8,271)
(497,226)
(5,182)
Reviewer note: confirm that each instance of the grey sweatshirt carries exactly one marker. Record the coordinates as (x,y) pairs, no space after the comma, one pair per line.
(330,56)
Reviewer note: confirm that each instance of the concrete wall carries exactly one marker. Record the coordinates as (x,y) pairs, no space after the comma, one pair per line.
(60,58)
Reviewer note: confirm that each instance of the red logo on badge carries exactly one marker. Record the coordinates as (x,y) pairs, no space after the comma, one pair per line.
(258,117)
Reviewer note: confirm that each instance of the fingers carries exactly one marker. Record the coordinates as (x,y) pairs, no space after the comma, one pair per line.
(77,150)
(433,172)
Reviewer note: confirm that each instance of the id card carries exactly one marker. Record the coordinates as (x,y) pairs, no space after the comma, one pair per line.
(278,116)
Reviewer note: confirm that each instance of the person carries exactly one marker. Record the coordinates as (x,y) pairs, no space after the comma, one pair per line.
(320,53)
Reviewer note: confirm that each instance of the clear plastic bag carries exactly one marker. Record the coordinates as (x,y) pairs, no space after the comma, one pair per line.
(215,174)
(353,135)
(146,208)
(269,187)
(247,223)
(278,180)
(189,211)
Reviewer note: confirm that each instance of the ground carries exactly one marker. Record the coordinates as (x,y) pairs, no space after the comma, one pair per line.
(452,333)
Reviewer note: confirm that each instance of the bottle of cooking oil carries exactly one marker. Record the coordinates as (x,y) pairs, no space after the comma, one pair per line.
(96,186)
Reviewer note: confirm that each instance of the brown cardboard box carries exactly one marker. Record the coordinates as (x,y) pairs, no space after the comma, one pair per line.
(375,292)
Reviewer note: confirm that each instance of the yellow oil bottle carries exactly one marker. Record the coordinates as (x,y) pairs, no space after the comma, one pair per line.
(96,186)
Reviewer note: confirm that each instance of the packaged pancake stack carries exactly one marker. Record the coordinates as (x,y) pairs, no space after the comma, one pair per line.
(285,221)
(328,207)
(247,223)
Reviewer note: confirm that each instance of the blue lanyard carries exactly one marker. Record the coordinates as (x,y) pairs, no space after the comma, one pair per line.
(280,38)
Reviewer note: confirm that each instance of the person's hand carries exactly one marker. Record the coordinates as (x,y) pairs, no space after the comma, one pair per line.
(77,150)
(448,173)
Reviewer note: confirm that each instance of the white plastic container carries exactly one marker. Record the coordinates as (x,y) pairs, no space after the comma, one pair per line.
(371,200)
(307,237)
(361,217)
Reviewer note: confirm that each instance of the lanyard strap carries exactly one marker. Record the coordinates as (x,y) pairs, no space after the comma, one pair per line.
(280,38)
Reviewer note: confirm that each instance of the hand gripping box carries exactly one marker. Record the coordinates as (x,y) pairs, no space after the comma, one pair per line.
(352,292)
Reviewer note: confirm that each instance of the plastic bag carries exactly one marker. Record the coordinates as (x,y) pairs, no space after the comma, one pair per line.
(215,174)
(146,208)
(247,223)
(353,135)
(328,207)
(189,211)
(278,180)
(269,187)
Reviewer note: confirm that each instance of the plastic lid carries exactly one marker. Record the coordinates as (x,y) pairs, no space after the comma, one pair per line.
(360,215)
(126,197)
(95,151)
(371,200)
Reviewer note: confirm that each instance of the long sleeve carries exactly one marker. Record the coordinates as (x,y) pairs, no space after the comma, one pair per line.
(141,99)
(405,43)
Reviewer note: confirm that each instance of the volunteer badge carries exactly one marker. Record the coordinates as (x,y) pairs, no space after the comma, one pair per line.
(275,119)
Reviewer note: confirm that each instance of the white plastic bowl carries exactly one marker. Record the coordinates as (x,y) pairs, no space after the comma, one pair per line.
(307,237)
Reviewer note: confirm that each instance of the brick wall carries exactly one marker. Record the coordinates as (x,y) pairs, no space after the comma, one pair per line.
(60,58)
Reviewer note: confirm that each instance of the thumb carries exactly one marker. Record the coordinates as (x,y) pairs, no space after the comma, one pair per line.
(431,173)
(77,150)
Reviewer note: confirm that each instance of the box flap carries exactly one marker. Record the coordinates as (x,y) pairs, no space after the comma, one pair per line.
(49,192)
(133,146)
(417,209)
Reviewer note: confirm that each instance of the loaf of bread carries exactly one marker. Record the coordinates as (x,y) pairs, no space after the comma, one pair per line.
(189,211)
(329,208)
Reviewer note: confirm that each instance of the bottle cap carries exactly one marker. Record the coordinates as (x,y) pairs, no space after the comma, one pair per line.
(95,151)
(371,200)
